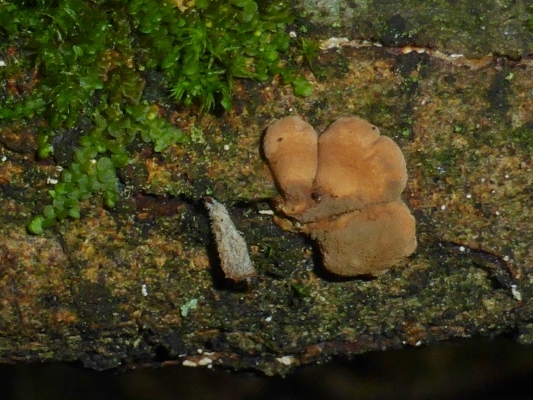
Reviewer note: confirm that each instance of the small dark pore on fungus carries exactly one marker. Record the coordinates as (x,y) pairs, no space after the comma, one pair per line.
(351,206)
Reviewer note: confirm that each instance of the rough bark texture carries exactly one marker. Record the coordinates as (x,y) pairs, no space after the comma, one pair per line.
(117,287)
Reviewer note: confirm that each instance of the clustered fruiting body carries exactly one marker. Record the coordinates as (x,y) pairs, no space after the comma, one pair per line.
(343,189)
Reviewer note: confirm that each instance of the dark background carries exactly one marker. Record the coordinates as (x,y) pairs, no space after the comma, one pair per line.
(466,369)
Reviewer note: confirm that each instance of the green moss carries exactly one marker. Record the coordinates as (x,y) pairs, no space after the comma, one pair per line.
(203,49)
(86,60)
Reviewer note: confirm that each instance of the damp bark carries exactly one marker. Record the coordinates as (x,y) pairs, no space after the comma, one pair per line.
(116,288)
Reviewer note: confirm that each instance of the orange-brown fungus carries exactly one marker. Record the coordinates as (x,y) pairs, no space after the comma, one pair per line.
(344,191)
(290,146)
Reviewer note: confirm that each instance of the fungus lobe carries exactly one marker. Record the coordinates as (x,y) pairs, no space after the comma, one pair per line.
(291,147)
(343,188)
(367,241)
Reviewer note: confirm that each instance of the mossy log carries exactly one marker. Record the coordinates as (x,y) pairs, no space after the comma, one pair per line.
(140,284)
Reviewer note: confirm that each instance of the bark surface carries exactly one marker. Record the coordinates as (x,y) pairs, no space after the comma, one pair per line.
(141,283)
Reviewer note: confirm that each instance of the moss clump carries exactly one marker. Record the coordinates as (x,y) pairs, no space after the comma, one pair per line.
(204,48)
(86,61)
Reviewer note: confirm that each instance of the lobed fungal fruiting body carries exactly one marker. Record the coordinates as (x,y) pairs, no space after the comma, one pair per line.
(293,161)
(343,189)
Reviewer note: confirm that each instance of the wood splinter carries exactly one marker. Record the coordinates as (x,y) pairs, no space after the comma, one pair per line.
(231,246)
